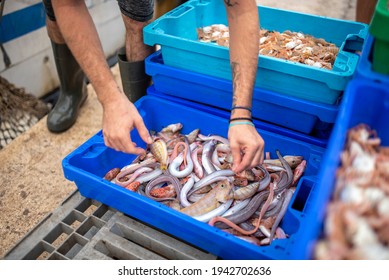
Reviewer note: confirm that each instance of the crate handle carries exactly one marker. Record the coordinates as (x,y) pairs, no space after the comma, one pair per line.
(303,191)
(353,43)
(179,11)
(155,25)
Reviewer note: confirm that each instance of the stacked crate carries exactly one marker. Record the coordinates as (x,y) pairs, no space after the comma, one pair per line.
(294,109)
(365,101)
(313,93)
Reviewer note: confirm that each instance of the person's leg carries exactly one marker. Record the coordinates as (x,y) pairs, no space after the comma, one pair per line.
(136,15)
(72,79)
(365,10)
(164,6)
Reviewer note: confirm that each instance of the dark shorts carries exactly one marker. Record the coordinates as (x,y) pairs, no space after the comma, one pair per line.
(139,10)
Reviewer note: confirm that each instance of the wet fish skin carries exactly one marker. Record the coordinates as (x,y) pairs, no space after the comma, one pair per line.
(219,194)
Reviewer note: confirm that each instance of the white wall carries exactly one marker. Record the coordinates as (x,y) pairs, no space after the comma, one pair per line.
(33,66)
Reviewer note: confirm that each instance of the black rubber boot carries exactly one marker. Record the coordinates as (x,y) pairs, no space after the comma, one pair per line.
(73,90)
(135,81)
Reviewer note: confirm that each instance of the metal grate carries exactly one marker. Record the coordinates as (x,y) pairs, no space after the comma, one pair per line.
(86,229)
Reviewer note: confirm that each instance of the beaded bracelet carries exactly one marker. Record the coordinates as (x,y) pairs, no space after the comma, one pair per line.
(240,123)
(241,107)
(240,119)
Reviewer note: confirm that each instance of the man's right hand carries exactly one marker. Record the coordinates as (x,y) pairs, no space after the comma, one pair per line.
(120,117)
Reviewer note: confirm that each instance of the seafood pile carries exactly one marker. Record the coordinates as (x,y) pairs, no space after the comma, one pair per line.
(357,221)
(192,173)
(288,45)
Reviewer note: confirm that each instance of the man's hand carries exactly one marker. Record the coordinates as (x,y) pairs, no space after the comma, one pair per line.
(247,147)
(119,119)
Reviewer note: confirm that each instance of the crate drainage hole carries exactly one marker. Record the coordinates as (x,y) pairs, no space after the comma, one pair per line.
(74,219)
(72,246)
(302,196)
(90,210)
(87,207)
(112,251)
(60,239)
(40,252)
(104,213)
(43,256)
(90,227)
(76,224)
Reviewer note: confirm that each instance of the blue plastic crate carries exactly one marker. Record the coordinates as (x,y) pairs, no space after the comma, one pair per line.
(176,33)
(87,165)
(286,111)
(365,66)
(363,102)
(318,141)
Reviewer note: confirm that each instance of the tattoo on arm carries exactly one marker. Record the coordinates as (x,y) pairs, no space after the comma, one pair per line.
(235,78)
(229,4)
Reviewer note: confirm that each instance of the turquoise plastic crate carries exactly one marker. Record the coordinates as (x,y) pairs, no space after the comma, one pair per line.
(363,102)
(87,165)
(176,33)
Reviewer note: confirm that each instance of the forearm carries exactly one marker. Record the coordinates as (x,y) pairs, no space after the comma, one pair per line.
(81,36)
(243,21)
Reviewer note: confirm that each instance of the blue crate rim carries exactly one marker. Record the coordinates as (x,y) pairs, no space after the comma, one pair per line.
(325,112)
